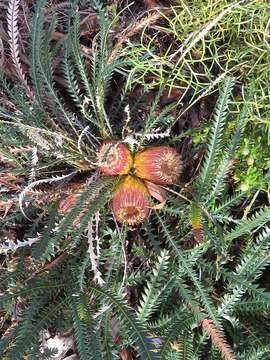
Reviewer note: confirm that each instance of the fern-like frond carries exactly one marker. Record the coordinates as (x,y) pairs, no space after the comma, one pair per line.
(41,66)
(188,271)
(255,259)
(9,245)
(227,203)
(91,200)
(164,118)
(94,246)
(179,325)
(245,227)
(189,299)
(108,352)
(181,349)
(261,353)
(33,288)
(151,295)
(185,347)
(129,321)
(36,183)
(73,87)
(253,263)
(87,341)
(224,166)
(25,340)
(71,80)
(252,306)
(214,144)
(35,49)
(90,87)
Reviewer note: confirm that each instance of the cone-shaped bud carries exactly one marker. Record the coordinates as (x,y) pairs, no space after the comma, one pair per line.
(160,165)
(130,203)
(114,158)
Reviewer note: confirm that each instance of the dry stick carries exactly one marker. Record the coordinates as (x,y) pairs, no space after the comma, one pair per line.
(48,266)
(132,30)
(1,52)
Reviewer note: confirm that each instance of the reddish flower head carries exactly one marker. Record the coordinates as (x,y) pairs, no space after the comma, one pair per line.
(160,165)
(114,158)
(130,203)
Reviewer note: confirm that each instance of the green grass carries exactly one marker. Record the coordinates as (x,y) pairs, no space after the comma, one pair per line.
(200,42)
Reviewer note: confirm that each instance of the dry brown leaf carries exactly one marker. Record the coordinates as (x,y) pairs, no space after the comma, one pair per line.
(218,339)
(125,354)
(149,4)
(156,191)
(6,206)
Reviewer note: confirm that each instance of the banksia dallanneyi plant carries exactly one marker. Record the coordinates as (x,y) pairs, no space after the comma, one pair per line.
(160,165)
(114,158)
(153,166)
(68,260)
(130,203)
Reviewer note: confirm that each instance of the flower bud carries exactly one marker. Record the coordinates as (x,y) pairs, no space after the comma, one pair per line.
(130,203)
(114,158)
(161,165)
